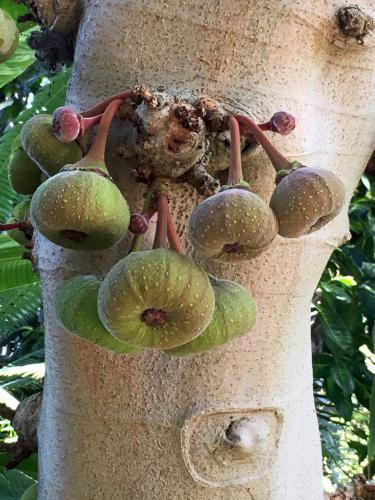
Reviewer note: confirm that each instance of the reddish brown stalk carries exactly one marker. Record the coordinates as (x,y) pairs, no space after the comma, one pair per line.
(173,238)
(87,123)
(100,108)
(235,166)
(278,160)
(161,238)
(13,225)
(97,149)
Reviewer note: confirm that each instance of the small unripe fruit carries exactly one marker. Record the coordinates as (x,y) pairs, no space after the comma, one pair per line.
(9,36)
(24,174)
(66,124)
(282,123)
(138,224)
(20,213)
(31,493)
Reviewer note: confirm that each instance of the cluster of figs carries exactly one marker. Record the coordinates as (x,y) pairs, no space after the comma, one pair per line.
(157,298)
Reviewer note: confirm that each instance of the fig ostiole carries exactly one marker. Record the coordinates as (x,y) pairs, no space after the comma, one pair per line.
(42,146)
(305,198)
(76,310)
(235,224)
(234,315)
(81,208)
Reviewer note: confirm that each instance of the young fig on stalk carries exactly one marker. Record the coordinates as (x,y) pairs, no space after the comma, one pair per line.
(234,316)
(156,298)
(305,198)
(9,36)
(76,310)
(24,174)
(234,224)
(41,145)
(68,125)
(22,232)
(81,207)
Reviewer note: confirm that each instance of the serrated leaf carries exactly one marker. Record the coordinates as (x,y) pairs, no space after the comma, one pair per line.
(19,62)
(13,483)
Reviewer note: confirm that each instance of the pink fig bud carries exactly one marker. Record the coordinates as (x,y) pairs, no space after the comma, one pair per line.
(282,123)
(66,124)
(138,224)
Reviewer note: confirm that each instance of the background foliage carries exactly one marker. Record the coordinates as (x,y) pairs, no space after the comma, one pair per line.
(342,318)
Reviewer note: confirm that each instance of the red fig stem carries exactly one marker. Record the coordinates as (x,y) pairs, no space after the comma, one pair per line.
(161,238)
(100,108)
(87,123)
(278,160)
(173,238)
(13,225)
(149,213)
(235,166)
(97,149)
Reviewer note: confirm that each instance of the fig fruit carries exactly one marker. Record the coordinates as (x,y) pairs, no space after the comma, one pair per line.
(24,174)
(81,208)
(9,36)
(306,200)
(41,145)
(76,310)
(156,298)
(20,213)
(234,224)
(234,315)
(31,493)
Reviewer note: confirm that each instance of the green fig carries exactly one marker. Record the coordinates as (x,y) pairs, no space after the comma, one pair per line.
(20,213)
(234,315)
(306,200)
(76,310)
(232,225)
(9,36)
(81,207)
(24,174)
(156,298)
(41,145)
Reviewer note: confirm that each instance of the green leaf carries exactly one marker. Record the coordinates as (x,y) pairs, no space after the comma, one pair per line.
(13,483)
(368,269)
(19,62)
(367,297)
(18,307)
(371,439)
(343,378)
(22,380)
(335,332)
(16,273)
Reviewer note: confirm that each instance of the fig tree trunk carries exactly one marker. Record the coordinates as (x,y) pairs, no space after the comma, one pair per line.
(153,427)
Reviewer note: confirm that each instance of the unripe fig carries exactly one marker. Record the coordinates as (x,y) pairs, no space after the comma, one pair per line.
(41,145)
(138,223)
(234,224)
(156,298)
(281,123)
(234,315)
(20,214)
(24,174)
(306,200)
(76,310)
(81,207)
(9,36)
(67,125)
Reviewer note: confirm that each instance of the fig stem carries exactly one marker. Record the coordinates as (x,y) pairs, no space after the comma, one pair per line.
(87,123)
(235,166)
(97,149)
(100,108)
(173,238)
(13,225)
(278,160)
(161,237)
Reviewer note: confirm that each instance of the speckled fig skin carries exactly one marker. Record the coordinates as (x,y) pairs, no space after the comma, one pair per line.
(40,143)
(81,201)
(24,174)
(158,279)
(20,213)
(229,217)
(306,200)
(9,36)
(76,310)
(234,315)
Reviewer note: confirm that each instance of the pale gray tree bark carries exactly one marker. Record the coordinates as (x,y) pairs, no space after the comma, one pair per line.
(153,427)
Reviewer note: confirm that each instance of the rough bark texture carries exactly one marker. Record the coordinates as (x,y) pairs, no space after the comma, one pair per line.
(152,427)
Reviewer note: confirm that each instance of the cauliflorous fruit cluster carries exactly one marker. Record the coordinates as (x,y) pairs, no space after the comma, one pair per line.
(160,298)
